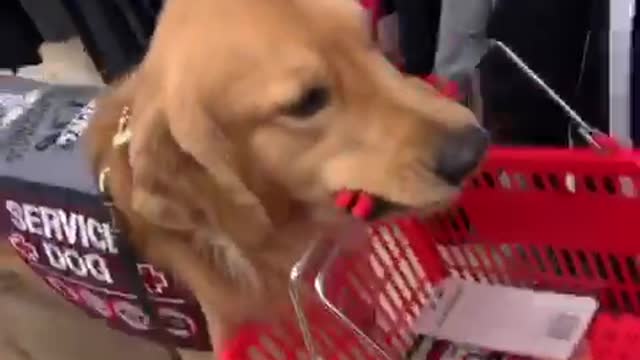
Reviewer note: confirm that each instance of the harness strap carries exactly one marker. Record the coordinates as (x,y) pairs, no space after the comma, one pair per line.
(127,252)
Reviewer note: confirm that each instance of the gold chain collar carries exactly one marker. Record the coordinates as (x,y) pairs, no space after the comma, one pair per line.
(123,135)
(120,138)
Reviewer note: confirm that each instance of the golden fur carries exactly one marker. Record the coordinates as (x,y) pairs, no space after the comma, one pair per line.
(224,182)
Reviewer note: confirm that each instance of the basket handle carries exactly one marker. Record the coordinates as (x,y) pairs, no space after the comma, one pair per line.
(593,136)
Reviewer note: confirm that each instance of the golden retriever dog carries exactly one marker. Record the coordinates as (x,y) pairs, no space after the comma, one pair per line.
(223,150)
(243,121)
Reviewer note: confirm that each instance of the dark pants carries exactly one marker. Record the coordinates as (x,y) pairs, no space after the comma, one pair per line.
(550,36)
(19,38)
(418,21)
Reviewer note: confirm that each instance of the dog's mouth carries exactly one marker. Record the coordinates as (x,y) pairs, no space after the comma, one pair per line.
(367,206)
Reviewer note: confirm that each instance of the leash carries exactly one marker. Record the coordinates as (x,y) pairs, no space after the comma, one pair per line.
(127,252)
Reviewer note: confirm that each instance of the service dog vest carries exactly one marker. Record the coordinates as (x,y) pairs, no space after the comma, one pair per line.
(55,219)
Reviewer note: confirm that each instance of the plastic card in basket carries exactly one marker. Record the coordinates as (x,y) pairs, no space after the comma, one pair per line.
(511,320)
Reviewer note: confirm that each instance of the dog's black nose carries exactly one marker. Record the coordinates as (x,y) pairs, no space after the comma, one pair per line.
(460,153)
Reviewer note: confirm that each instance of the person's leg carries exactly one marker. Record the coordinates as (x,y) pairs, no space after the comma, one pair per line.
(19,38)
(418,23)
(553,47)
(51,19)
(462,40)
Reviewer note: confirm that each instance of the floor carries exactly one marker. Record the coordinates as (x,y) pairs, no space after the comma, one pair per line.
(62,63)
(44,327)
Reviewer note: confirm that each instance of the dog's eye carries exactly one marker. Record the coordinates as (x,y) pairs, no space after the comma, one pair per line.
(311,102)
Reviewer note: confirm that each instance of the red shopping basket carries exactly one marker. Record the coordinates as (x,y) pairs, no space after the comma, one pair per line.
(561,220)
(549,219)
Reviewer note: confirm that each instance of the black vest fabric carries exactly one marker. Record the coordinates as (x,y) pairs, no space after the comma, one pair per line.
(54,217)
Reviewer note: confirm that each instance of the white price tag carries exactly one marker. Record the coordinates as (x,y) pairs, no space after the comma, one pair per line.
(515,321)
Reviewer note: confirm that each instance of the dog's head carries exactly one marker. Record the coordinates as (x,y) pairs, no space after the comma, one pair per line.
(246,117)
(285,99)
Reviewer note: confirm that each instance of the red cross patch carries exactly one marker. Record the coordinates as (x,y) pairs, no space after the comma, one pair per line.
(155,281)
(26,250)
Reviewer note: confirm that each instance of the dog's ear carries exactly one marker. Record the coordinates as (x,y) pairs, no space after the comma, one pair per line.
(183,173)
(143,189)
(162,177)
(178,171)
